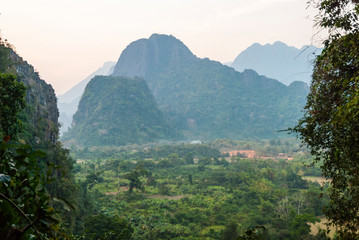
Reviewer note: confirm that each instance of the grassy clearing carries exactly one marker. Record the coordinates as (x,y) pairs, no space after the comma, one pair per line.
(158,196)
(314,228)
(207,230)
(320,180)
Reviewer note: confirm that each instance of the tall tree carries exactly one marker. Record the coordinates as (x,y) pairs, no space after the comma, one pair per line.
(134,177)
(330,126)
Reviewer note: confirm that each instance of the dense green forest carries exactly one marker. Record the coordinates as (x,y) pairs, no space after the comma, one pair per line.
(193,191)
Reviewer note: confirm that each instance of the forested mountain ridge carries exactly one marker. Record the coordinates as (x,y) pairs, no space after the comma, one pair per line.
(69,101)
(118,111)
(278,61)
(206,99)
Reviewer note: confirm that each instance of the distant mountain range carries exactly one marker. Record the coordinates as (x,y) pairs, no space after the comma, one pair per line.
(279,61)
(202,98)
(69,101)
(207,99)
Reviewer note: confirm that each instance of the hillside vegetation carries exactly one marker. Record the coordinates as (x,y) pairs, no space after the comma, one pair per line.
(118,111)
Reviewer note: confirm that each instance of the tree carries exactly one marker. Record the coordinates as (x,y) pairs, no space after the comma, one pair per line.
(283,209)
(256,233)
(25,204)
(299,201)
(205,161)
(299,225)
(94,177)
(231,231)
(134,177)
(330,126)
(189,158)
(174,159)
(340,17)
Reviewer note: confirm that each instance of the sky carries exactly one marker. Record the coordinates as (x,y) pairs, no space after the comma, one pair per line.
(67,40)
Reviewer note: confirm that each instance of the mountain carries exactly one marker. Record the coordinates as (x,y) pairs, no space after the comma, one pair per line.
(279,61)
(118,111)
(227,63)
(69,101)
(206,99)
(146,57)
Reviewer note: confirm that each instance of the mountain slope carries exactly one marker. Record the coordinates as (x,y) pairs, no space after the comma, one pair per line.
(279,61)
(117,111)
(207,99)
(69,101)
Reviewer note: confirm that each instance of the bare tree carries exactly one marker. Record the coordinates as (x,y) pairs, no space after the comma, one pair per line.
(283,208)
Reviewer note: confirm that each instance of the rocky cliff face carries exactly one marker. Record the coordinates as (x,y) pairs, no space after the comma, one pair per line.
(40,116)
(147,56)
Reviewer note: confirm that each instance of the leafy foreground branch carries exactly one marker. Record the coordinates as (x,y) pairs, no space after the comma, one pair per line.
(24,203)
(330,126)
(15,233)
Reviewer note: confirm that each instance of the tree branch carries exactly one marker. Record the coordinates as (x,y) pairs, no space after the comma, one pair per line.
(31,224)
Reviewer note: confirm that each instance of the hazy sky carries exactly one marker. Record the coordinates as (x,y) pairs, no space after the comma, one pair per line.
(67,40)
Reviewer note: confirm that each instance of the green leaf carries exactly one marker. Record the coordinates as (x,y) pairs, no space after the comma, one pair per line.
(4,178)
(39,188)
(39,153)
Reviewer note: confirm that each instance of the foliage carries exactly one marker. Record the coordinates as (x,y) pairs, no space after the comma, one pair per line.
(103,227)
(12,100)
(133,176)
(330,125)
(4,56)
(338,16)
(256,233)
(189,158)
(231,231)
(24,202)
